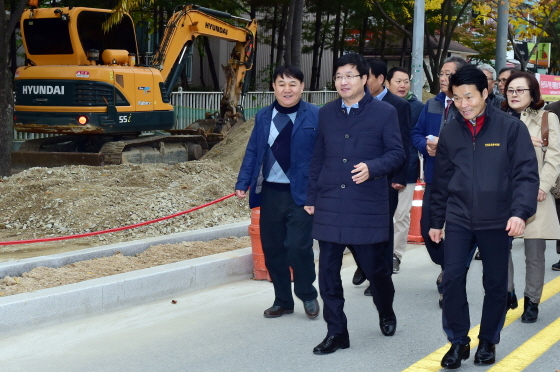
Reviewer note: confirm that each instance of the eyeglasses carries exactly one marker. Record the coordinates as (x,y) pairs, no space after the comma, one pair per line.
(518,91)
(342,77)
(442,74)
(490,79)
(501,81)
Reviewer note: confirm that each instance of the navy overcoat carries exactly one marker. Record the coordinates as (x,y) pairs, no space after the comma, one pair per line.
(346,212)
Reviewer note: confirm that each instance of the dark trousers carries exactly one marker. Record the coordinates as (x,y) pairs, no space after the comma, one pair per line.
(494,246)
(371,259)
(393,201)
(287,242)
(435,250)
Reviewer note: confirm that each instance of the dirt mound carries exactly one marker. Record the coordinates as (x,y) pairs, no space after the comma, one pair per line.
(232,149)
(48,202)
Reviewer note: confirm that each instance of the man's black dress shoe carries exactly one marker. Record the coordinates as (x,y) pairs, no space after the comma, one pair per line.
(485,354)
(276,311)
(388,325)
(556,266)
(530,311)
(457,352)
(311,308)
(367,292)
(512,300)
(359,277)
(331,344)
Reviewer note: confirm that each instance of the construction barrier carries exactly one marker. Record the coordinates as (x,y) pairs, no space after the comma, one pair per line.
(260,271)
(414,232)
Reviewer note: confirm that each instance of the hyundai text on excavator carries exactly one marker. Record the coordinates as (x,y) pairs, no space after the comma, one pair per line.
(84,84)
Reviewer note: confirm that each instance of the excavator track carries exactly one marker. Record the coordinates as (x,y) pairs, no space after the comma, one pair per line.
(162,149)
(58,151)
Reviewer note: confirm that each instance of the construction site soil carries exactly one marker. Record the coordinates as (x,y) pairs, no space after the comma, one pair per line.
(51,202)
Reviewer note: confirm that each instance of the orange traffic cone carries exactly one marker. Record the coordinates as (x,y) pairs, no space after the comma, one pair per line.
(414,235)
(260,271)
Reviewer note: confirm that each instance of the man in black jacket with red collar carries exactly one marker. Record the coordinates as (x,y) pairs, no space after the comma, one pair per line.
(484,188)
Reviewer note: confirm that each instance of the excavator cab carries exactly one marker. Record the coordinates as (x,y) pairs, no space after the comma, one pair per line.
(82,83)
(73,36)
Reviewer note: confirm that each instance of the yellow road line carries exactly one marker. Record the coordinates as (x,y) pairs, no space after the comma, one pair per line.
(431,363)
(533,348)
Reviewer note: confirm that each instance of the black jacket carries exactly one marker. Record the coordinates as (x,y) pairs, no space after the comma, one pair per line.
(479,184)
(405,126)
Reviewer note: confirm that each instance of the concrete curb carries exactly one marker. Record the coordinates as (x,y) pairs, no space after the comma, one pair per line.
(96,296)
(16,268)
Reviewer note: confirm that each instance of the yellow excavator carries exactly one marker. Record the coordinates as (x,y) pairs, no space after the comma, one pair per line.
(85,84)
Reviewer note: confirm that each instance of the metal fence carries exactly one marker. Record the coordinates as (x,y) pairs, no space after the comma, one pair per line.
(191,106)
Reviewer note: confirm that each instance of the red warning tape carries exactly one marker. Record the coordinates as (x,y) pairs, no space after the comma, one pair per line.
(41,240)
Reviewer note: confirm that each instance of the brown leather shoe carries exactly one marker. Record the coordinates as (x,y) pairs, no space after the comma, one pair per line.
(276,311)
(311,308)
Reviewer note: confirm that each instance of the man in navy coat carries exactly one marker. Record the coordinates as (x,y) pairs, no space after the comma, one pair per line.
(275,167)
(396,180)
(358,145)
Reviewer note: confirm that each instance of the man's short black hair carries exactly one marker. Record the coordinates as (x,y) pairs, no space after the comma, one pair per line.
(377,67)
(469,75)
(288,71)
(392,71)
(353,59)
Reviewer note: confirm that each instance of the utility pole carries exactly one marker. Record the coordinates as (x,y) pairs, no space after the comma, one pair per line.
(416,66)
(501,34)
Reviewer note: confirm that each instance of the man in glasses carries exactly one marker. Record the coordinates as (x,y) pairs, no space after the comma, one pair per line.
(484,188)
(502,77)
(396,180)
(358,145)
(490,73)
(436,113)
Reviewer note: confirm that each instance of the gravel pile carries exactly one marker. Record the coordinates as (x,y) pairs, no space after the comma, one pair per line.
(48,202)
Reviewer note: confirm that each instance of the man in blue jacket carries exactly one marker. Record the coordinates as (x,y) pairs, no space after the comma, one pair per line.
(485,187)
(437,112)
(276,168)
(358,146)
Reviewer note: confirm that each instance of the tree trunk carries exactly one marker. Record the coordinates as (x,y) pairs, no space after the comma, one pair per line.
(316,46)
(322,48)
(273,43)
(336,36)
(343,33)
(7,27)
(6,115)
(289,30)
(211,64)
(383,40)
(297,31)
(363,33)
(281,31)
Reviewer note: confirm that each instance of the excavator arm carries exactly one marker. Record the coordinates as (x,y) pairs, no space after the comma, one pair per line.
(191,21)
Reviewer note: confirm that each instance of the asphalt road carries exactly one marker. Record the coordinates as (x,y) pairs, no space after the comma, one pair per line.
(222,329)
